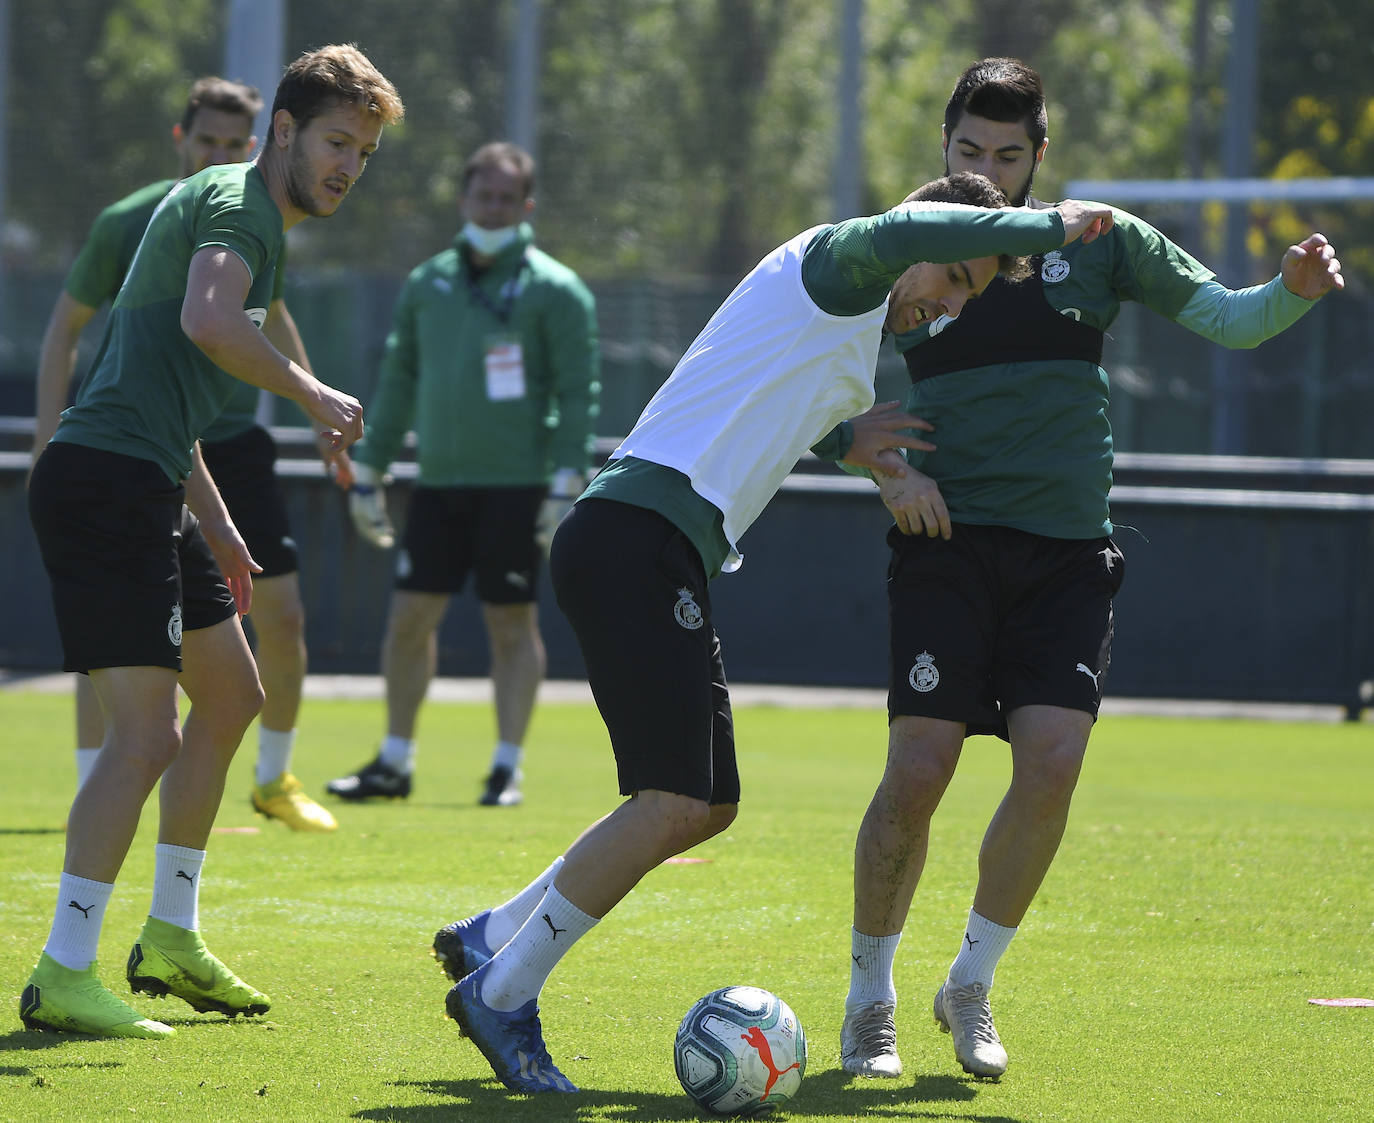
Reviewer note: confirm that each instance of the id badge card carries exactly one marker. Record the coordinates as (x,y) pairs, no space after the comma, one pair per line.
(505,364)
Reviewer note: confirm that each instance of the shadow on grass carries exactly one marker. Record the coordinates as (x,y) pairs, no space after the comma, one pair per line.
(32,1040)
(835,1092)
(211,1020)
(488,1099)
(33,830)
(827,1093)
(19,1041)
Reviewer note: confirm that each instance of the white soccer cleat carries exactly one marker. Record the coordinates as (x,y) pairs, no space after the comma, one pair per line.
(965,1013)
(868,1041)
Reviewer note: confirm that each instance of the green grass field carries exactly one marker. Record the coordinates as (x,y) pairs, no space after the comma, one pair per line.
(1216,875)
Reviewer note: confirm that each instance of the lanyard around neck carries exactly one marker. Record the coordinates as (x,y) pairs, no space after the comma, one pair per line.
(511,288)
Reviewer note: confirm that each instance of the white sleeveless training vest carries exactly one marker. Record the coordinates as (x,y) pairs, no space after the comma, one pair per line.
(768,376)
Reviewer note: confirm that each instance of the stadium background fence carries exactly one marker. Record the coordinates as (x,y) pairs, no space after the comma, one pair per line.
(1248,575)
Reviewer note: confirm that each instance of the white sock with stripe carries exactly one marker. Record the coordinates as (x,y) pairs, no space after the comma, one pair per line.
(518,971)
(176,885)
(870,969)
(506,919)
(984,944)
(76,924)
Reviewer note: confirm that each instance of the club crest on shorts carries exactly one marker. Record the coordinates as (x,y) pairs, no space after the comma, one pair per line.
(924,676)
(1054,268)
(174,626)
(687,612)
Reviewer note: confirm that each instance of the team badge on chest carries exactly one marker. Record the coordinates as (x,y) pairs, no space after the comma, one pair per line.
(1054,268)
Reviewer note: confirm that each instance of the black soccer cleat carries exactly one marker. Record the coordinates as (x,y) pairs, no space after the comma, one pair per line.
(502,788)
(376,778)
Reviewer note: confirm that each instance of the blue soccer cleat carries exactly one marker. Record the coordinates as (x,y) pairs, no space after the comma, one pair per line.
(461,947)
(513,1042)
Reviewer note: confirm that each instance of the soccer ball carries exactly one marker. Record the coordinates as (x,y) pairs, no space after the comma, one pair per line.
(740,1051)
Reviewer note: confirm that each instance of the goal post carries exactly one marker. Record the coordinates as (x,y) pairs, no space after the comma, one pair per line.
(1327,190)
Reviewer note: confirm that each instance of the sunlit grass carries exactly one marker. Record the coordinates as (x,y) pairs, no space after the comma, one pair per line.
(1216,875)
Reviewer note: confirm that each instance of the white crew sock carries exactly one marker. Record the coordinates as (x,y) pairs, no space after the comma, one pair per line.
(398,753)
(506,755)
(518,971)
(274,753)
(176,885)
(76,924)
(85,761)
(984,943)
(506,919)
(870,969)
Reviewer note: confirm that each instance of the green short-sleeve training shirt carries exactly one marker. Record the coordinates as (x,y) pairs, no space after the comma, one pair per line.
(151,392)
(99,269)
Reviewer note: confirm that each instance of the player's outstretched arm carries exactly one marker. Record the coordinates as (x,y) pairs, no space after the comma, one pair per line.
(1084,220)
(1311,269)
(213,318)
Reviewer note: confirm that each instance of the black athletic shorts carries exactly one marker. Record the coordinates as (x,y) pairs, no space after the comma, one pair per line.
(634,589)
(486,531)
(128,565)
(995,619)
(244,470)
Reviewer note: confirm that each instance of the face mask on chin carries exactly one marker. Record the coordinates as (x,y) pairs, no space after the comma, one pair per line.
(488,242)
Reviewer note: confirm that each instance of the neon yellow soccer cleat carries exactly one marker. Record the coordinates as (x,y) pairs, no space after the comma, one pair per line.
(285,799)
(171,960)
(58,998)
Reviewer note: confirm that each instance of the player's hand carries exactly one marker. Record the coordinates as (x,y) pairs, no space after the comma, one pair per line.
(879,433)
(915,503)
(339,415)
(338,466)
(1084,220)
(1310,269)
(236,564)
(367,507)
